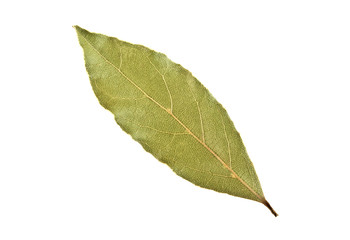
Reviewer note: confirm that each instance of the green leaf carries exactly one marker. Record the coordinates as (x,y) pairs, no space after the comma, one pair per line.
(171,114)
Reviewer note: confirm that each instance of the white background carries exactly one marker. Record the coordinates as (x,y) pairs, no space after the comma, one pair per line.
(281,69)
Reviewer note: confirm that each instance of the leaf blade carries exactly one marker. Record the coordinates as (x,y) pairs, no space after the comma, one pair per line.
(174,116)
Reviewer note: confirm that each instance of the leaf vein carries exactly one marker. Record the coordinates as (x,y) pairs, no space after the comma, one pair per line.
(156,129)
(165,83)
(228,143)
(203,171)
(115,97)
(199,111)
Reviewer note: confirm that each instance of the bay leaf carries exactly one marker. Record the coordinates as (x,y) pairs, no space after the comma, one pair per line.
(171,114)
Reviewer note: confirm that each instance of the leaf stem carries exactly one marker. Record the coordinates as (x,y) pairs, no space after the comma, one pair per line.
(267,204)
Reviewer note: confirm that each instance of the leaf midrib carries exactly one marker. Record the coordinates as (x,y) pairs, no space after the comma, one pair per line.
(262,199)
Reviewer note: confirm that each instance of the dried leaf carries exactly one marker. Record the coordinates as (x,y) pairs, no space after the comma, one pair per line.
(171,114)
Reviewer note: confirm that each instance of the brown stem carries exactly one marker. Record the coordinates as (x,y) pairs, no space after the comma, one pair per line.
(267,204)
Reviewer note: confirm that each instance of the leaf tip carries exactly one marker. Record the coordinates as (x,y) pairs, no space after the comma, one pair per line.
(78,29)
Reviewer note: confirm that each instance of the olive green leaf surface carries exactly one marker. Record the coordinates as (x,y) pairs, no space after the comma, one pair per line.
(171,114)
